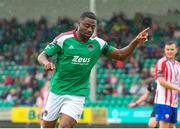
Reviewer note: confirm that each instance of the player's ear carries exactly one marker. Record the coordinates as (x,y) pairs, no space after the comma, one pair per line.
(76,25)
(78,22)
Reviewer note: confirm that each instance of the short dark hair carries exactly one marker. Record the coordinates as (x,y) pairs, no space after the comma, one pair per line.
(90,15)
(170,43)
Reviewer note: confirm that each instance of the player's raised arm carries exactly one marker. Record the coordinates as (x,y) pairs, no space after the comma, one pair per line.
(123,53)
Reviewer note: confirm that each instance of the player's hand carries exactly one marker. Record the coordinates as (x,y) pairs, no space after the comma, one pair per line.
(131,105)
(49,66)
(142,36)
(178,89)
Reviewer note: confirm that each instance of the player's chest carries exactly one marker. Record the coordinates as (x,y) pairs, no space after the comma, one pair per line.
(174,71)
(80,49)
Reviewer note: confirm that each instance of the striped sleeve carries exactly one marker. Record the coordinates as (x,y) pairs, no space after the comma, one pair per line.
(160,68)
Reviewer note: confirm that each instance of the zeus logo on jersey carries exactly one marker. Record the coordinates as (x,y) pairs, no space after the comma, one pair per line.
(80,60)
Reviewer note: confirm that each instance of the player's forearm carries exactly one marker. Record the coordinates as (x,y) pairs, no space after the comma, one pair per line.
(143,98)
(128,50)
(42,59)
(166,84)
(123,53)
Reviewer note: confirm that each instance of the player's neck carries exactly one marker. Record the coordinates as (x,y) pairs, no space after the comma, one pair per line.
(80,37)
(170,59)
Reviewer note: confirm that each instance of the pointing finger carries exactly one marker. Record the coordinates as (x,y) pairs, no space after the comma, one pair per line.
(146,30)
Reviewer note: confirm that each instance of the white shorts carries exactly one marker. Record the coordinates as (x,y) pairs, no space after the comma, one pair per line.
(68,104)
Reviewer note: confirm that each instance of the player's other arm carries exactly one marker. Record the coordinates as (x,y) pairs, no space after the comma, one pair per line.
(43,60)
(121,54)
(160,73)
(50,50)
(142,99)
(166,84)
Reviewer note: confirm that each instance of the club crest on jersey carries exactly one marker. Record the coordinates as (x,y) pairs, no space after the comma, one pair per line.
(166,116)
(90,47)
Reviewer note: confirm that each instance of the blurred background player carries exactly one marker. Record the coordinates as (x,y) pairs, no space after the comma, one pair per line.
(148,96)
(168,82)
(42,98)
(77,52)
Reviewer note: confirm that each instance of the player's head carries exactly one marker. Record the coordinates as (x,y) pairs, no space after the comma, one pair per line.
(170,50)
(87,24)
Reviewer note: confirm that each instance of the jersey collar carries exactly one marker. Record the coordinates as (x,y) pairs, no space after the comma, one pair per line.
(75,35)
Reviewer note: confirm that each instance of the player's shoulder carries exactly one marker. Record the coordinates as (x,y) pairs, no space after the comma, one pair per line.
(177,62)
(65,35)
(99,40)
(162,60)
(62,37)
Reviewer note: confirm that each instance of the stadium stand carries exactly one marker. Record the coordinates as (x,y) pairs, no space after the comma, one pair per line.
(21,77)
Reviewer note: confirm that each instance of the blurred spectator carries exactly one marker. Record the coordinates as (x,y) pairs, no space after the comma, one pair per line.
(111,79)
(12,96)
(142,88)
(131,66)
(123,90)
(9,80)
(144,74)
(40,101)
(134,88)
(119,64)
(108,90)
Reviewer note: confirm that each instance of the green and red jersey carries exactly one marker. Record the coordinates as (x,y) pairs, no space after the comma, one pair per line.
(75,60)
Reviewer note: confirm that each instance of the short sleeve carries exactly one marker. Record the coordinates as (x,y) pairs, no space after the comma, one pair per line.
(107,49)
(149,87)
(52,48)
(160,68)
